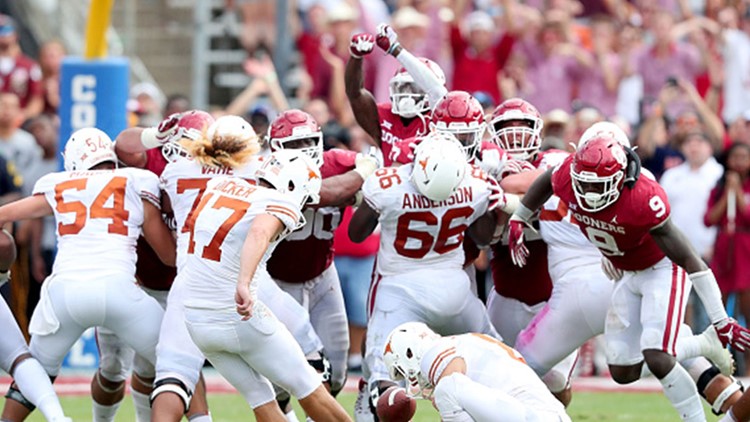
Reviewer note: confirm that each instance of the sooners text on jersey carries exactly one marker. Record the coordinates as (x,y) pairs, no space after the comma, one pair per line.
(622,230)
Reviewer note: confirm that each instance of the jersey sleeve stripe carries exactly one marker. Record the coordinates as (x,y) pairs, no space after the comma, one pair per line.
(282,210)
(150,197)
(438,361)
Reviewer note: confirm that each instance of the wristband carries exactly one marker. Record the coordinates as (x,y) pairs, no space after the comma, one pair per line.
(523,212)
(149,139)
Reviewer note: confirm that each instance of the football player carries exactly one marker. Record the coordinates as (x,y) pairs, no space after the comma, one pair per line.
(424,209)
(151,149)
(627,218)
(407,113)
(470,377)
(313,281)
(580,298)
(100,211)
(232,233)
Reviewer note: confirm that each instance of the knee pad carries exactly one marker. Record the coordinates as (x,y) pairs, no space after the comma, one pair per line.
(555,381)
(15,394)
(172,385)
(732,388)
(98,377)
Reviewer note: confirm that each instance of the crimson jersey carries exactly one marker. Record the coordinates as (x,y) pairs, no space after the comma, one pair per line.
(23,77)
(150,271)
(307,252)
(393,129)
(622,231)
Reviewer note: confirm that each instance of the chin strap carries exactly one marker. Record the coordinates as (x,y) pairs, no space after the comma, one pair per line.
(633,170)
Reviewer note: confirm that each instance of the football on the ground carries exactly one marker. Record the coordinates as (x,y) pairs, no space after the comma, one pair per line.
(394,405)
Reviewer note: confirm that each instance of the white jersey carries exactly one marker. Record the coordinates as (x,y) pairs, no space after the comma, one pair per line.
(221,222)
(567,247)
(416,232)
(493,364)
(99,214)
(184,181)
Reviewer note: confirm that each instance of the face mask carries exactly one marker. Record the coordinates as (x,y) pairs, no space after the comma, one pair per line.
(407,107)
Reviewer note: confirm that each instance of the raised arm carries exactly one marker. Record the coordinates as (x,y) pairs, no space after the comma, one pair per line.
(132,143)
(363,103)
(426,79)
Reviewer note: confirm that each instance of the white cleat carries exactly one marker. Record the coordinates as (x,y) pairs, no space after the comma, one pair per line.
(714,351)
(362,411)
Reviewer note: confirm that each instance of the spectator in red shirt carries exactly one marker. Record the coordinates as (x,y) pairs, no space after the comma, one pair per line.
(477,56)
(19,74)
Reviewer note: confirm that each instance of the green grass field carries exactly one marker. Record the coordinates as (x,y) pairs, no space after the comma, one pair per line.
(598,407)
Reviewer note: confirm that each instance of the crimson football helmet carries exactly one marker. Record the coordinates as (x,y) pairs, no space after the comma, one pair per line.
(296,129)
(516,127)
(598,172)
(407,99)
(192,125)
(461,115)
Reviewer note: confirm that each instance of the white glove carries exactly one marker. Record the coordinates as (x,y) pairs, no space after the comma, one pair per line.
(492,163)
(367,162)
(612,273)
(154,137)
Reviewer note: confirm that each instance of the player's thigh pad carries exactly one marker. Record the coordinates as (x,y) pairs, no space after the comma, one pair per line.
(665,289)
(622,330)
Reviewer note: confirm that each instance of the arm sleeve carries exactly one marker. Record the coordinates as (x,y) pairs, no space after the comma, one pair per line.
(423,76)
(45,184)
(283,208)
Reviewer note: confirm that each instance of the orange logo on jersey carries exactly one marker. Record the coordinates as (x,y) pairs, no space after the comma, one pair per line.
(311,174)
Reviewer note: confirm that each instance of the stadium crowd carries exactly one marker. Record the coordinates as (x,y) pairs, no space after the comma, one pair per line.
(671,77)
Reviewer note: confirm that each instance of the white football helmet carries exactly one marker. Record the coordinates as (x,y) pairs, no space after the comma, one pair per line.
(294,173)
(439,165)
(608,129)
(232,127)
(407,99)
(403,354)
(86,148)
